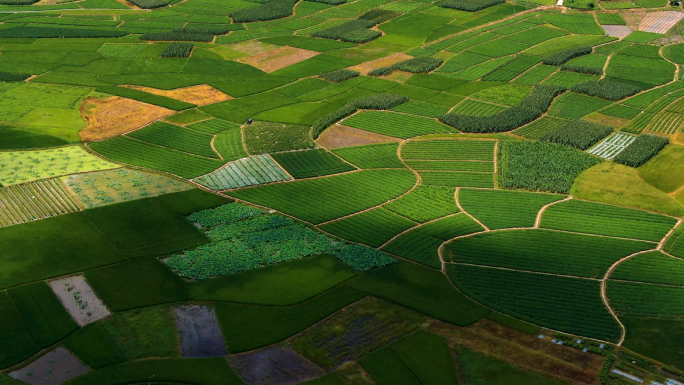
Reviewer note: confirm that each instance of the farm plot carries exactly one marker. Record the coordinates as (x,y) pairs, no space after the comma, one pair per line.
(610,19)
(457,179)
(513,69)
(543,251)
(539,127)
(245,172)
(324,199)
(498,48)
(177,138)
(450,165)
(618,31)
(139,153)
(425,203)
(213,126)
(200,95)
(498,209)
(372,156)
(115,186)
(416,107)
(572,105)
(121,50)
(631,69)
(477,108)
(569,79)
(660,22)
(34,200)
(311,163)
(646,99)
(79,299)
(477,71)
(645,300)
(536,75)
(567,304)
(278,58)
(462,61)
(396,125)
(373,228)
(654,267)
(422,243)
(25,166)
(575,23)
(666,122)
(229,144)
(508,94)
(536,35)
(611,48)
(602,219)
(59,365)
(471,42)
(621,111)
(612,145)
(474,150)
(199,332)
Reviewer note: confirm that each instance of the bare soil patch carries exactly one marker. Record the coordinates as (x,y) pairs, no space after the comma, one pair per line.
(199,332)
(660,22)
(366,67)
(116,115)
(274,366)
(79,299)
(278,58)
(525,350)
(619,31)
(253,47)
(55,367)
(200,95)
(339,136)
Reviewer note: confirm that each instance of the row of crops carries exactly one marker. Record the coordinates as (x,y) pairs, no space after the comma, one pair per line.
(35,200)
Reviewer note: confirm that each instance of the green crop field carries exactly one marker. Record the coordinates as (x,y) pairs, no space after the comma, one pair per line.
(331,192)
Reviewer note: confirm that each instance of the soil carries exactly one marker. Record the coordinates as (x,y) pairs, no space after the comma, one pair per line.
(199,332)
(278,58)
(274,366)
(660,22)
(618,31)
(116,115)
(339,136)
(254,47)
(53,368)
(200,95)
(366,67)
(79,299)
(525,350)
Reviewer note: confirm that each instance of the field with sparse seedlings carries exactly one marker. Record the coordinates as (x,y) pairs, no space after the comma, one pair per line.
(341,192)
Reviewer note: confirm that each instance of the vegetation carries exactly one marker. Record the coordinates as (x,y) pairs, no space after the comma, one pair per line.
(540,166)
(606,88)
(353,31)
(177,50)
(579,134)
(272,9)
(641,150)
(528,110)
(339,75)
(150,4)
(564,56)
(468,5)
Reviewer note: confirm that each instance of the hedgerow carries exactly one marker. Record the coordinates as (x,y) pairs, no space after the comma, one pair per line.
(469,5)
(641,150)
(18,2)
(372,102)
(273,9)
(582,69)
(532,107)
(417,65)
(564,56)
(607,89)
(177,50)
(579,134)
(541,166)
(12,77)
(150,4)
(177,36)
(354,31)
(339,75)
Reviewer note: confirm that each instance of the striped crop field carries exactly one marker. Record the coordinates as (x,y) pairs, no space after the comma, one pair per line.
(35,200)
(499,209)
(372,228)
(176,137)
(125,50)
(539,127)
(476,150)
(213,126)
(612,145)
(666,122)
(396,125)
(252,171)
(477,108)
(597,218)
(419,108)
(536,74)
(311,163)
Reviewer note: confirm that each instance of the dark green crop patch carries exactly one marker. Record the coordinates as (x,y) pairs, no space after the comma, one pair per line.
(177,50)
(579,134)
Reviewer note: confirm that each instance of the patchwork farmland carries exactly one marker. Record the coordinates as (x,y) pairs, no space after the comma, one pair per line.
(341,192)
